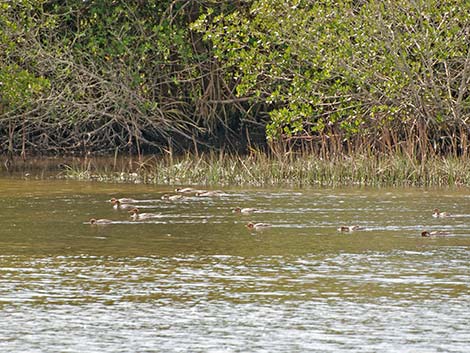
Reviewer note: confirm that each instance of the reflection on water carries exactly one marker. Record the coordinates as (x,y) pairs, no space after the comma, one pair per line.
(196,279)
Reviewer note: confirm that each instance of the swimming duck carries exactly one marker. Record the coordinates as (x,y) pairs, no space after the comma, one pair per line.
(136,215)
(188,190)
(425,233)
(100,221)
(349,228)
(258,226)
(172,197)
(122,200)
(244,210)
(438,214)
(118,205)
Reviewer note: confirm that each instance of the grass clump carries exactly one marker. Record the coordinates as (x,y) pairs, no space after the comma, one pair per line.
(262,169)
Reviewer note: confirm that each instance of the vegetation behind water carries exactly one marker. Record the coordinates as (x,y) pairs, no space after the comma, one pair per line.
(331,79)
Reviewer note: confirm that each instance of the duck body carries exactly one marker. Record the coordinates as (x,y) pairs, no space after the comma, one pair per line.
(118,205)
(122,200)
(245,210)
(136,215)
(435,233)
(439,214)
(349,228)
(101,221)
(258,226)
(188,190)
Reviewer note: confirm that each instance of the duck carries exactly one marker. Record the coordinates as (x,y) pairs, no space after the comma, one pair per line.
(258,226)
(188,190)
(172,197)
(245,210)
(118,205)
(425,233)
(136,215)
(122,200)
(102,221)
(439,214)
(349,228)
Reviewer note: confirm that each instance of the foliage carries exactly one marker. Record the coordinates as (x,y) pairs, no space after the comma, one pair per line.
(20,85)
(353,67)
(105,76)
(113,75)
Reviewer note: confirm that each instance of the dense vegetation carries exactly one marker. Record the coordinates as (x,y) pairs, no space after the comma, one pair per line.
(329,77)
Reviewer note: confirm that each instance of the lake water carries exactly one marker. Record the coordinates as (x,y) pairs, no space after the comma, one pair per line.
(197,280)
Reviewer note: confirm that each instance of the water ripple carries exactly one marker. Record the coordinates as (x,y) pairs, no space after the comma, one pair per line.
(197,280)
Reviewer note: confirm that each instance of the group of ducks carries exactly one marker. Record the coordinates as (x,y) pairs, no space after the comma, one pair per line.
(181,194)
(185,193)
(436,214)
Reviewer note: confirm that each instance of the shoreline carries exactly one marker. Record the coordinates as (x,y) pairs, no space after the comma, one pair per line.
(257,169)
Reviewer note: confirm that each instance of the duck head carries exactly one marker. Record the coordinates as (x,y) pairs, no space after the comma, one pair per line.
(134,211)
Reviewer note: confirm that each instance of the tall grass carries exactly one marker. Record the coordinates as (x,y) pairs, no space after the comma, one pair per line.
(262,169)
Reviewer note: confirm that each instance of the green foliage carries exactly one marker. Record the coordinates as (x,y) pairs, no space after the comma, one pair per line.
(104,75)
(349,67)
(20,85)
(113,74)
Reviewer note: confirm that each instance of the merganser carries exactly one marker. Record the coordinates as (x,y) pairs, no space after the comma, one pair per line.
(188,190)
(258,226)
(438,214)
(100,221)
(244,210)
(123,200)
(172,197)
(425,233)
(349,228)
(136,215)
(118,205)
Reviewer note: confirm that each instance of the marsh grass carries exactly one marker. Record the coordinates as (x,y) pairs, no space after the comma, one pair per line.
(266,169)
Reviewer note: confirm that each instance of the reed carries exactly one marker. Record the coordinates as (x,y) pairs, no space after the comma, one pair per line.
(263,169)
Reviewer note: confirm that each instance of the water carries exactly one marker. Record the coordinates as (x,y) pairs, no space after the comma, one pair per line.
(197,280)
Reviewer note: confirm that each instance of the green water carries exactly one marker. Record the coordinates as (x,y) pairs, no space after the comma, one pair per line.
(196,279)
